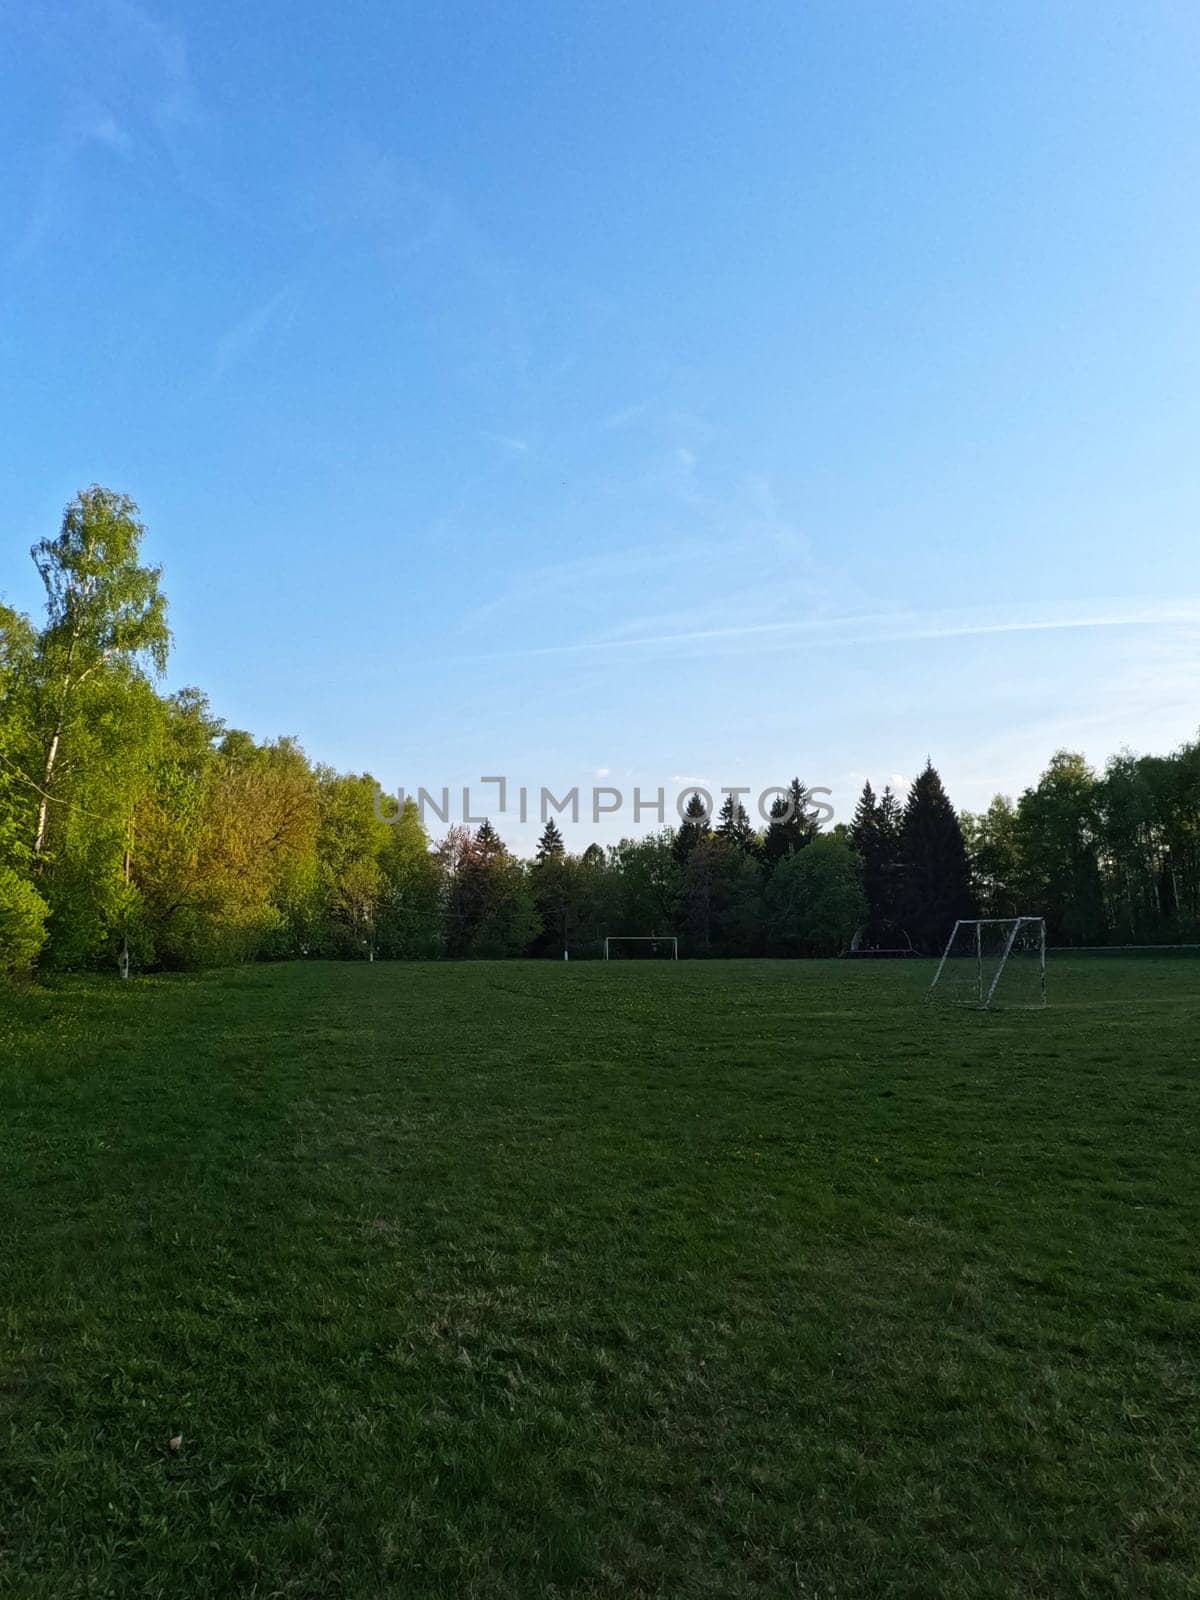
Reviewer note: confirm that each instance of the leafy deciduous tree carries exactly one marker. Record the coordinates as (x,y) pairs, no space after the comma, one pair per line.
(815,899)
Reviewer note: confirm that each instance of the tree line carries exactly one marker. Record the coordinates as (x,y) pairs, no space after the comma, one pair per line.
(137,830)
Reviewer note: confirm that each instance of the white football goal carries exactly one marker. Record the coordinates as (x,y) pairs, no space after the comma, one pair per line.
(993,962)
(653,947)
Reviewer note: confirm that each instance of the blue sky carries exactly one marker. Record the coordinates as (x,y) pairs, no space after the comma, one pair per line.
(663,392)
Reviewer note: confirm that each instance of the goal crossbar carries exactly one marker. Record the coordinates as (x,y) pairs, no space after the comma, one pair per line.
(642,938)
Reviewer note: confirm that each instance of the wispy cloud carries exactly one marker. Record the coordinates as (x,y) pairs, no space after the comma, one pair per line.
(611,569)
(164,49)
(125,86)
(507,441)
(365,190)
(239,342)
(102,127)
(89,126)
(661,419)
(413,224)
(889,628)
(626,417)
(707,558)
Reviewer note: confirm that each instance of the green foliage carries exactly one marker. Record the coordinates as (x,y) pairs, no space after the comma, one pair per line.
(574,900)
(648,888)
(815,899)
(1061,833)
(409,918)
(1129,804)
(1106,859)
(1059,843)
(100,602)
(17,802)
(592,890)
(105,624)
(99,781)
(86,719)
(733,825)
(875,834)
(993,843)
(507,918)
(693,830)
(722,899)
(23,915)
(551,843)
(350,842)
(552,882)
(935,873)
(490,905)
(146,825)
(227,842)
(792,825)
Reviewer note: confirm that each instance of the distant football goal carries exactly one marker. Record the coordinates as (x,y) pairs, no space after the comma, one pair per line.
(641,947)
(994,962)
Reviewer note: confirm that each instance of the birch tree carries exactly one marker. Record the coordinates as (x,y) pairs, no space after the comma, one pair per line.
(104,611)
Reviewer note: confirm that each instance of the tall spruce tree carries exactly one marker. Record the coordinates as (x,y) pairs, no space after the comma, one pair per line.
(891,817)
(875,834)
(792,824)
(935,870)
(864,825)
(550,880)
(551,843)
(488,842)
(867,837)
(891,823)
(733,825)
(692,830)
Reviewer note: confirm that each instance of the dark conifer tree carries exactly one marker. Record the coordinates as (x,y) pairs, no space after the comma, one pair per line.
(792,824)
(864,825)
(775,838)
(551,842)
(935,872)
(550,881)
(733,825)
(891,821)
(866,834)
(483,878)
(487,841)
(694,827)
(890,824)
(875,834)
(891,816)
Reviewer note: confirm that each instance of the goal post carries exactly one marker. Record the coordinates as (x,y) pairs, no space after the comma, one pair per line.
(993,962)
(663,947)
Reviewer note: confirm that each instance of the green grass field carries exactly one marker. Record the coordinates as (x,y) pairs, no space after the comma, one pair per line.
(728,1279)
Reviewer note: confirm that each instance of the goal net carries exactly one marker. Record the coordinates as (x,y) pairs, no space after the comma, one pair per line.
(994,962)
(641,947)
